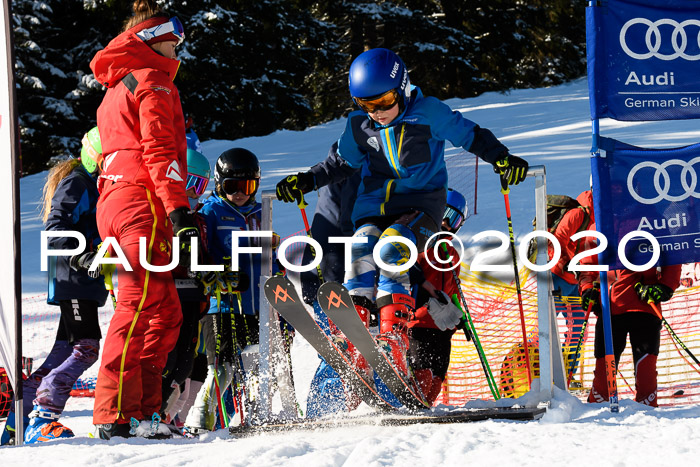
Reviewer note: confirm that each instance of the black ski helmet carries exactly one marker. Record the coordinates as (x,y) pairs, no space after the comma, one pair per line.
(236,163)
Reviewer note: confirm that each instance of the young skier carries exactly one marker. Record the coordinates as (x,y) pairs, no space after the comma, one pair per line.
(142,195)
(397,141)
(631,313)
(432,325)
(69,203)
(232,322)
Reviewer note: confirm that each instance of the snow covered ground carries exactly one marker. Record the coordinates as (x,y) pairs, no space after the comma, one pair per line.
(548,126)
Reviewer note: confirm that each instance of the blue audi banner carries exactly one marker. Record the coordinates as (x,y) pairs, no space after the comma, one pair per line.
(643,59)
(650,190)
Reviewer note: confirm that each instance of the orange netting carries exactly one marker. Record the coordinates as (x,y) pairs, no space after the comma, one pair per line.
(494,309)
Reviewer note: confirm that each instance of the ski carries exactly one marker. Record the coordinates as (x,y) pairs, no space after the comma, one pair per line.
(396,419)
(336,302)
(282,295)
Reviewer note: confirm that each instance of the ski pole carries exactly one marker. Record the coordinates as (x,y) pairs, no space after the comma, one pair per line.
(505,190)
(675,337)
(302,204)
(579,344)
(467,325)
(216,370)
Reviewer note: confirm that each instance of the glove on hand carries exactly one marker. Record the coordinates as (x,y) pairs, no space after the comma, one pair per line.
(589,296)
(237,281)
(444,313)
(294,187)
(653,293)
(185,230)
(211,280)
(83,261)
(512,169)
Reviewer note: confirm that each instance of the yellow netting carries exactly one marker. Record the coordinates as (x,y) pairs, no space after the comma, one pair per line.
(494,309)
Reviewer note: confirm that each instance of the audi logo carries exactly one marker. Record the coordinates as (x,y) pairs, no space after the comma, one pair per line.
(653,39)
(660,173)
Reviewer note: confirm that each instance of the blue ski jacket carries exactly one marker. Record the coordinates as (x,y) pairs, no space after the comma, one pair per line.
(73,207)
(222,218)
(402,164)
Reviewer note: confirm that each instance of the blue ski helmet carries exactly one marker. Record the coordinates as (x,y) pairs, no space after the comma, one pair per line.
(454,211)
(377,71)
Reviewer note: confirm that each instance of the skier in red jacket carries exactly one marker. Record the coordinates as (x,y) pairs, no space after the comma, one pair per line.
(433,324)
(631,293)
(142,195)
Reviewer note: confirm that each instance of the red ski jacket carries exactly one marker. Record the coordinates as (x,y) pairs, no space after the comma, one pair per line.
(141,124)
(623,297)
(569,225)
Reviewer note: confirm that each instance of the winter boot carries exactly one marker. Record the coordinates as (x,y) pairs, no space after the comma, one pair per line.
(394,314)
(8,433)
(44,426)
(646,385)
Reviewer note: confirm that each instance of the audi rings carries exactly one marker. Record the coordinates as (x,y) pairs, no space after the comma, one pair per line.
(663,191)
(654,47)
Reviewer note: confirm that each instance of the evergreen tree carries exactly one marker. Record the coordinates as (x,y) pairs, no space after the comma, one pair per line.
(252,67)
(245,67)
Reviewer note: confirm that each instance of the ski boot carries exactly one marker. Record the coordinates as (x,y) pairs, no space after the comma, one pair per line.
(8,433)
(110,430)
(429,385)
(151,429)
(44,426)
(394,314)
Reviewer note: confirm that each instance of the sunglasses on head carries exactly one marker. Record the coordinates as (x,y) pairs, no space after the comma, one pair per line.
(453,218)
(173,26)
(232,186)
(382,102)
(197,182)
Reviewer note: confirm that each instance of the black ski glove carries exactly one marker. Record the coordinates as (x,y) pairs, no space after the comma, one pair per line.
(589,296)
(294,187)
(653,293)
(512,169)
(185,230)
(83,261)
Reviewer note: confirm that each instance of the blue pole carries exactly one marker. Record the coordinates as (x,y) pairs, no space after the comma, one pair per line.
(610,364)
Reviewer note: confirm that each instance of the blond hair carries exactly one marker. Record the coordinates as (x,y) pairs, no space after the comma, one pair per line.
(56,174)
(143,10)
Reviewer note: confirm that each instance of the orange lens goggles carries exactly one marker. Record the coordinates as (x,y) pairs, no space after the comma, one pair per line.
(236,185)
(383,102)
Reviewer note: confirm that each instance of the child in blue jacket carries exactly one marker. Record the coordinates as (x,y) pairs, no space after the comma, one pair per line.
(396,141)
(232,322)
(69,203)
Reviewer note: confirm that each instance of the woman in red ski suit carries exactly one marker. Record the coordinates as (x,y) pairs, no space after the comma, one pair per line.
(142,190)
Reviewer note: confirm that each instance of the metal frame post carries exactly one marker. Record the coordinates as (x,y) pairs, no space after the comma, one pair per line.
(266,313)
(551,356)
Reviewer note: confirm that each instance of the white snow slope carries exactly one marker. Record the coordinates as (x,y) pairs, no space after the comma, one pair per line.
(549,126)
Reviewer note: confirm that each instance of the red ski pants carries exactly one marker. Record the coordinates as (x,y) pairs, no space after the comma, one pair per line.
(147,319)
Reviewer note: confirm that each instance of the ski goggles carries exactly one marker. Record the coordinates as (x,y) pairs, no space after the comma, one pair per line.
(173,26)
(232,186)
(197,182)
(382,102)
(453,218)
